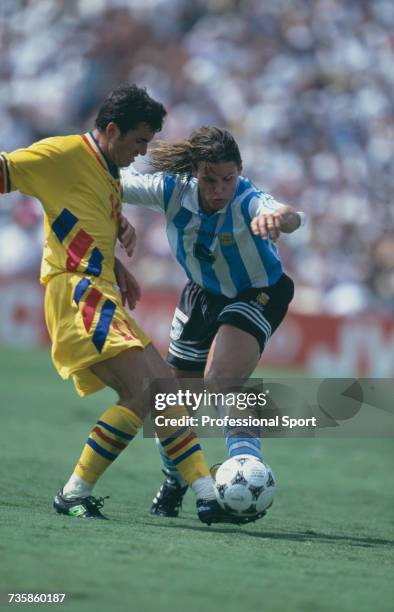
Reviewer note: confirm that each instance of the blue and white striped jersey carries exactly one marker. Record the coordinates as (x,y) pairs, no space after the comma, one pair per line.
(218,251)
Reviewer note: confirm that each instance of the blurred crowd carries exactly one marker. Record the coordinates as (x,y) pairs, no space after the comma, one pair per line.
(305,86)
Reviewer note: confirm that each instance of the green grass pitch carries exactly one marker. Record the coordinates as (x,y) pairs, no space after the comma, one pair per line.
(327,543)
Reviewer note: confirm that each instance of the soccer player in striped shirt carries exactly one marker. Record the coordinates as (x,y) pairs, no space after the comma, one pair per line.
(222,230)
(94,341)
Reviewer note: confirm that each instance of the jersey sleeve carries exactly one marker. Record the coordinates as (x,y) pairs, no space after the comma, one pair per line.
(262,203)
(30,170)
(151,190)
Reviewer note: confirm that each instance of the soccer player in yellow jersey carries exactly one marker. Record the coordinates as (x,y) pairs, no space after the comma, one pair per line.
(76,178)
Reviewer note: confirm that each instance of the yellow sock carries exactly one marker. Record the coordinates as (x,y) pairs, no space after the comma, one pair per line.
(108,438)
(182,446)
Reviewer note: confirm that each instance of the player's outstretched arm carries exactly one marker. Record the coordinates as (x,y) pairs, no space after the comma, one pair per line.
(270,224)
(144,189)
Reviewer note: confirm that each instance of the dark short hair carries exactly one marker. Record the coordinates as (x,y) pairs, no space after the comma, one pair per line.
(129,105)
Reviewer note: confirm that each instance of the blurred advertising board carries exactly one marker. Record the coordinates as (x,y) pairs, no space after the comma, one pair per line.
(319,344)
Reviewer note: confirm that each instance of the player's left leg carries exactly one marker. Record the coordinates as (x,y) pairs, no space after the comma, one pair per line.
(180,442)
(169,497)
(232,359)
(246,325)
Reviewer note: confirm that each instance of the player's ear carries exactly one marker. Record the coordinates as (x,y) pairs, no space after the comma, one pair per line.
(112,131)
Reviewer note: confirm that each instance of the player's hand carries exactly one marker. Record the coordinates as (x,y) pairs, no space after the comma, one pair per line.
(267,225)
(126,235)
(129,288)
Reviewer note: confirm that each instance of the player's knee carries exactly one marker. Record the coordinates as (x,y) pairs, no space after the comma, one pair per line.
(224,380)
(210,379)
(130,393)
(218,379)
(137,408)
(133,401)
(128,396)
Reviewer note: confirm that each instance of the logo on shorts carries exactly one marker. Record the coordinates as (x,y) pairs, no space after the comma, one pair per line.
(226,239)
(262,299)
(177,325)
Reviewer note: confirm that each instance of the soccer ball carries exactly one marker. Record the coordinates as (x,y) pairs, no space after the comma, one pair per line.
(244,486)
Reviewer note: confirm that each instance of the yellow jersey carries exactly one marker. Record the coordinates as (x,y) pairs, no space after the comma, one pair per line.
(80,191)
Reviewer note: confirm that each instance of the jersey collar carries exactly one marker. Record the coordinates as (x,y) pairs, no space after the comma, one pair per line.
(100,156)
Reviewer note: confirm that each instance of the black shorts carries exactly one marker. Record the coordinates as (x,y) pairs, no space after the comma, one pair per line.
(199,315)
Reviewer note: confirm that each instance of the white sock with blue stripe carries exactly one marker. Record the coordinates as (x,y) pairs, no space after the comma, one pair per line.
(241,440)
(242,443)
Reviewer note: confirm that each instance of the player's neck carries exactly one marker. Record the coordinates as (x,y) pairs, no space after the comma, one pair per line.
(204,206)
(102,141)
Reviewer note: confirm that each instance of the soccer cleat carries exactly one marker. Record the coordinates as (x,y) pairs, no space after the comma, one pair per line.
(80,507)
(209,512)
(168,499)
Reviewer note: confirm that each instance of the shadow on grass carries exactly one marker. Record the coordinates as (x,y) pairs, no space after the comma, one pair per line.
(298,536)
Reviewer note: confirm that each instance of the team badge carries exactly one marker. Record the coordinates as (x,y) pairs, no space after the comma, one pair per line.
(262,299)
(226,239)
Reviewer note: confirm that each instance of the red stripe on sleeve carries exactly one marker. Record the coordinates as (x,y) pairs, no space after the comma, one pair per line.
(89,308)
(77,249)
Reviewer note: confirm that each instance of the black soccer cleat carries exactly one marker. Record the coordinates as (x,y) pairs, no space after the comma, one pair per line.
(209,512)
(80,507)
(168,499)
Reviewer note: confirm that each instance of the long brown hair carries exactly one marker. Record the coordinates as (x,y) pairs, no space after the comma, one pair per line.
(206,144)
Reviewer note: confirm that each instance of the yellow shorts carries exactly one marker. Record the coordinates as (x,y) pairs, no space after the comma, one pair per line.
(87,324)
